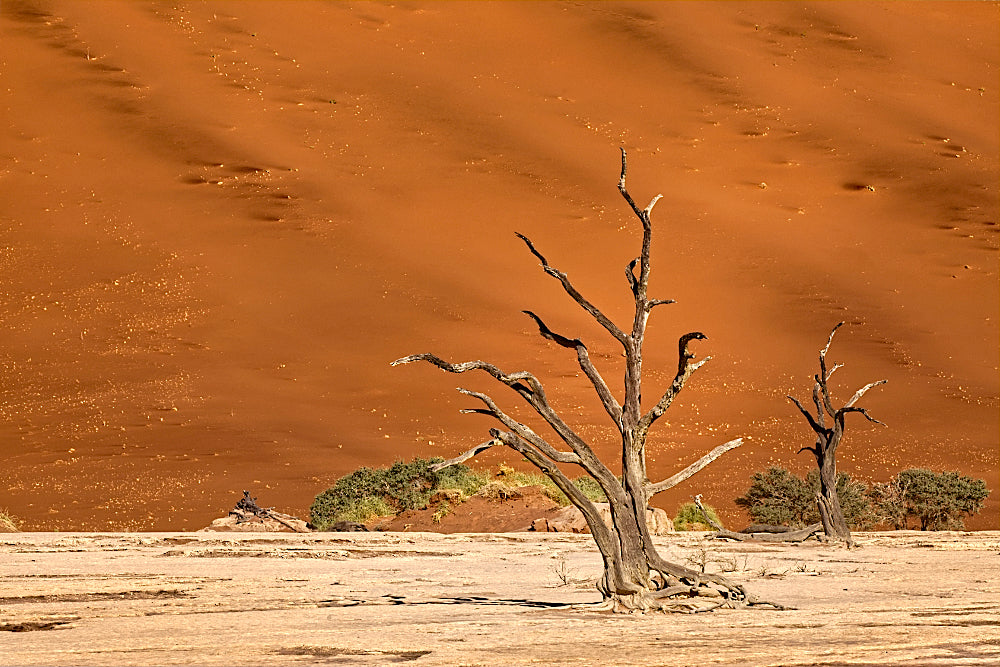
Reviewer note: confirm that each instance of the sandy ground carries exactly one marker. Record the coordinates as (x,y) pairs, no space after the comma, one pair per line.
(220,221)
(487,599)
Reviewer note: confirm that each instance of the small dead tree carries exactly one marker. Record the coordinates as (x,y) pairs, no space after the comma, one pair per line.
(828,439)
(635,577)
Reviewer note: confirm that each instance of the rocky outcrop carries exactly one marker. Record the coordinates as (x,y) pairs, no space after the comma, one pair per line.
(570,520)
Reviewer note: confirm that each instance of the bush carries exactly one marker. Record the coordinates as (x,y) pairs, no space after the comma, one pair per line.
(778,497)
(937,500)
(689,517)
(370,492)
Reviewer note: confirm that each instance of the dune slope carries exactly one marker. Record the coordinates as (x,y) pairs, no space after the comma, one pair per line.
(221,221)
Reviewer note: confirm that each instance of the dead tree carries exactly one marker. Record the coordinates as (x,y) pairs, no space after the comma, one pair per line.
(635,577)
(827,440)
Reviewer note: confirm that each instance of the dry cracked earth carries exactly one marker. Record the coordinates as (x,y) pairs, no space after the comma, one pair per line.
(485,599)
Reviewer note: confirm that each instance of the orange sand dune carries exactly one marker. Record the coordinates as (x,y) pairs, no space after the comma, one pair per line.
(221,221)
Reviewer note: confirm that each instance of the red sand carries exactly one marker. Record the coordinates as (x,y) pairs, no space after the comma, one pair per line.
(221,221)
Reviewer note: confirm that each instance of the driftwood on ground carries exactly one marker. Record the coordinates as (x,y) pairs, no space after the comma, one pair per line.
(769,534)
(248,515)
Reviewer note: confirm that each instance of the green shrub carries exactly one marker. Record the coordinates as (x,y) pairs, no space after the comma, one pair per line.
(370,492)
(933,500)
(590,488)
(689,517)
(937,500)
(515,479)
(778,497)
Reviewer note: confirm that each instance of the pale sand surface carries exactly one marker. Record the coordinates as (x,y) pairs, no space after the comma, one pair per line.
(485,599)
(220,221)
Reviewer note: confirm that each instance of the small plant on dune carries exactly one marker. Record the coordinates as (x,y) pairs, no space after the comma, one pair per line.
(498,491)
(510,478)
(8,523)
(689,517)
(443,510)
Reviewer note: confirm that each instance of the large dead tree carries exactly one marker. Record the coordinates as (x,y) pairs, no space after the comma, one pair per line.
(635,577)
(828,439)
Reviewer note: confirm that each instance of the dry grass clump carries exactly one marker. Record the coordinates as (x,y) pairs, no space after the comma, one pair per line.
(8,523)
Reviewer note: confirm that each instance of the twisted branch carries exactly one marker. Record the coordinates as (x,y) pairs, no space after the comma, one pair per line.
(684,370)
(586,365)
(601,318)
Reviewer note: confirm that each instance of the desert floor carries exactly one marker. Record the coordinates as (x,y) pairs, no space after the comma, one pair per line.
(485,599)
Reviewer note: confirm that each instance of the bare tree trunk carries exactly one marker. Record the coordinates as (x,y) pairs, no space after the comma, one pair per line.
(828,503)
(635,577)
(827,440)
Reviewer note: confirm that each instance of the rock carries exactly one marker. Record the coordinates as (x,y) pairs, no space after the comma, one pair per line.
(349,527)
(238,522)
(570,520)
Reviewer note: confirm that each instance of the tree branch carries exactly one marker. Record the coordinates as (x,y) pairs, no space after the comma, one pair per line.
(586,365)
(548,334)
(462,458)
(684,370)
(790,536)
(633,282)
(820,414)
(652,303)
(812,420)
(526,433)
(669,483)
(864,412)
(829,341)
(622,189)
(861,392)
(530,389)
(601,318)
